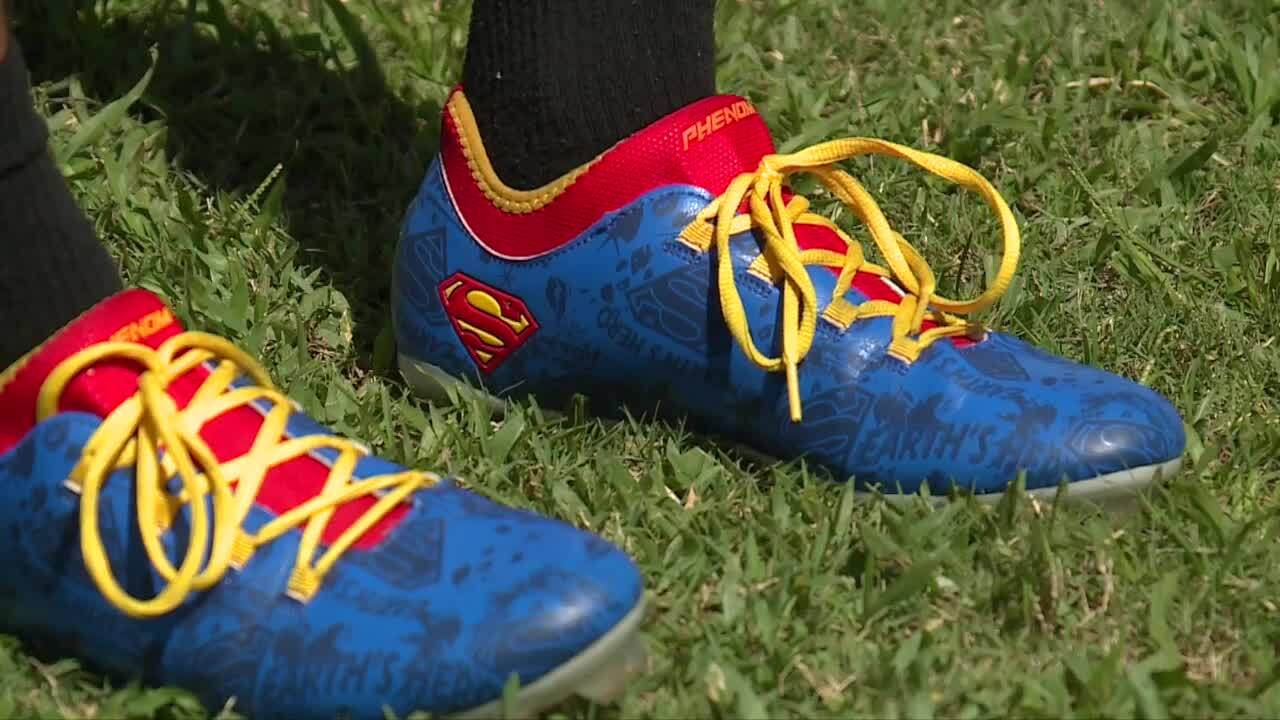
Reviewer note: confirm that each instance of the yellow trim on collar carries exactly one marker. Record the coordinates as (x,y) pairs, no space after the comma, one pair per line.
(499,193)
(10,374)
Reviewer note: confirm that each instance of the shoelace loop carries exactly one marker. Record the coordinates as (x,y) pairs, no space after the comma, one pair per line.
(782,261)
(149,433)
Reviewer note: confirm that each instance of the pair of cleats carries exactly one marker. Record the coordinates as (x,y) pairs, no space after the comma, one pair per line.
(169,516)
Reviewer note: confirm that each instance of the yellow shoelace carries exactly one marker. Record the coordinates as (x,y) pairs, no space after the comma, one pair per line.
(782,260)
(148,424)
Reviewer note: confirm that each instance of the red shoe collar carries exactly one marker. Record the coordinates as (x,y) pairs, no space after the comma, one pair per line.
(705,145)
(138,316)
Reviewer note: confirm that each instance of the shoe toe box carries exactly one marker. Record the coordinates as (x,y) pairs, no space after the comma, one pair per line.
(1093,423)
(461,596)
(532,593)
(1132,429)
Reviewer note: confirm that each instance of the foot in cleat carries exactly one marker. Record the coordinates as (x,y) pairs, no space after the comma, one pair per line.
(678,271)
(170,517)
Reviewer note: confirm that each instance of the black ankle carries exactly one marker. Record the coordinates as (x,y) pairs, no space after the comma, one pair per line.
(54,267)
(553,83)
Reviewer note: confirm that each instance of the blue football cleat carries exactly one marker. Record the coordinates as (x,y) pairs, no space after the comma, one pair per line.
(167,516)
(678,272)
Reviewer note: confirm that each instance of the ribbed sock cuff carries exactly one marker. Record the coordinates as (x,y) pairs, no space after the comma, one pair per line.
(23,134)
(554,83)
(54,268)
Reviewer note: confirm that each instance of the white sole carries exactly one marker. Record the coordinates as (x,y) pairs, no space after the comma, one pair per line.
(599,674)
(1114,492)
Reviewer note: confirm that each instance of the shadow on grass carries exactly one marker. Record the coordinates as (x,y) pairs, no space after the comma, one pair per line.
(241,94)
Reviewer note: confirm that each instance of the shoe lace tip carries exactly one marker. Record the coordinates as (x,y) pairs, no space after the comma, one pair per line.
(793,392)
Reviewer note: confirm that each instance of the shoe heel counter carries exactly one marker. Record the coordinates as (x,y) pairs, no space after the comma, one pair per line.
(418,315)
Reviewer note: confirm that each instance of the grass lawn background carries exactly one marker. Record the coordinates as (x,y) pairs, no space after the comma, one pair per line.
(250,161)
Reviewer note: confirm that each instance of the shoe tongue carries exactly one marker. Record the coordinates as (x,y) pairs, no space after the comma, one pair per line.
(711,142)
(134,316)
(708,143)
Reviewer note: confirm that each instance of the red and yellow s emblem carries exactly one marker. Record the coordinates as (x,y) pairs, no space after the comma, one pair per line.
(490,323)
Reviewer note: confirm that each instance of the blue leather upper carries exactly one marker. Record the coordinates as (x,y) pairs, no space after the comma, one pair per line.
(628,314)
(459,596)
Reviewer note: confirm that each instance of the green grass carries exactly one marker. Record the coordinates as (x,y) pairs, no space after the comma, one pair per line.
(257,181)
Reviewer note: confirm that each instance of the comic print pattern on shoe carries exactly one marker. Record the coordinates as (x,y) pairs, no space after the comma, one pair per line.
(679,271)
(168,516)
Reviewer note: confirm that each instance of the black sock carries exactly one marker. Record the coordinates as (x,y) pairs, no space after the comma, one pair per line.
(553,83)
(53,266)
